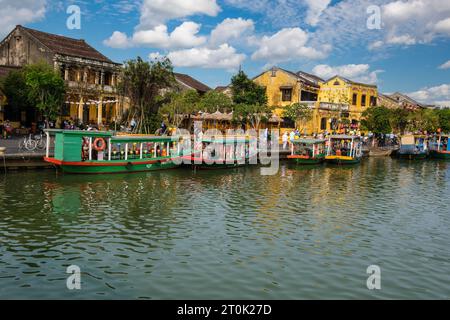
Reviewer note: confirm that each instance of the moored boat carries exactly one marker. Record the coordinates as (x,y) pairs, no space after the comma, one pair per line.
(96,152)
(441,149)
(343,149)
(222,152)
(308,151)
(413,147)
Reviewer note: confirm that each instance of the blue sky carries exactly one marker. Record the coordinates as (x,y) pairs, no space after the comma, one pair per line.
(406,48)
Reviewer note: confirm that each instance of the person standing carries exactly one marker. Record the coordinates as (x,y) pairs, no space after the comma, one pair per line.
(285,139)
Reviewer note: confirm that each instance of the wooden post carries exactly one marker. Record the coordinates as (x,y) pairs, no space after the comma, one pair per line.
(90,149)
(109,149)
(47,152)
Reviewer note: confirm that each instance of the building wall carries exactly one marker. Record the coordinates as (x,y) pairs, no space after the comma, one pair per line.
(18,49)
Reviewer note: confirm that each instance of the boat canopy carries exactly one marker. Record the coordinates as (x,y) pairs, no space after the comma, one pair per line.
(309,141)
(345,137)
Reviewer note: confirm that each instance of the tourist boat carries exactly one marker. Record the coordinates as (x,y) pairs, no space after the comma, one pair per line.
(308,151)
(343,149)
(94,152)
(221,152)
(413,147)
(441,149)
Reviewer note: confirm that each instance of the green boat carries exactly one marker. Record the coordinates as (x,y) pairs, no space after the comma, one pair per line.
(441,149)
(96,152)
(221,152)
(413,147)
(308,151)
(344,150)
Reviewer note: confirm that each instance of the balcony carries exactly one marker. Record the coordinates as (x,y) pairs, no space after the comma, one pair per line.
(328,106)
(91,87)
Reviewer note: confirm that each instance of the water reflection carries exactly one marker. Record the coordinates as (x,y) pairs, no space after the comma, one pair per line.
(308,232)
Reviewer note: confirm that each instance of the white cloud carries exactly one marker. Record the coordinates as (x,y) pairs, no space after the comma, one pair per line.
(443,26)
(445,65)
(439,95)
(230,29)
(405,39)
(354,72)
(315,9)
(157,12)
(183,36)
(13,12)
(288,44)
(224,57)
(375,45)
(118,40)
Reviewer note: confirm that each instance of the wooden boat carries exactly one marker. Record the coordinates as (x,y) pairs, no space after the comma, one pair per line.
(96,152)
(379,152)
(413,147)
(222,153)
(343,149)
(441,148)
(308,151)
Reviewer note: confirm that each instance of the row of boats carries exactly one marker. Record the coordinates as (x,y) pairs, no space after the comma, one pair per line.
(94,152)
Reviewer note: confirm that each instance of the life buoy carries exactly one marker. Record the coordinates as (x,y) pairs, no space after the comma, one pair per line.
(99,144)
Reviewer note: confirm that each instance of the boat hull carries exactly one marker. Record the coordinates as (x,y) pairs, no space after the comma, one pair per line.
(306,160)
(413,156)
(440,155)
(110,168)
(343,160)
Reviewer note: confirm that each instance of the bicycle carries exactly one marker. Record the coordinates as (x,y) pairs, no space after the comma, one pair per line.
(28,144)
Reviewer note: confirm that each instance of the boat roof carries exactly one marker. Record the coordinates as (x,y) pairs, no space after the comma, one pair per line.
(344,137)
(113,135)
(225,139)
(309,141)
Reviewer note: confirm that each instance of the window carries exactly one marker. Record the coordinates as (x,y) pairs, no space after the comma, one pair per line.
(308,96)
(323,124)
(65,110)
(373,101)
(363,100)
(274,72)
(286,94)
(355,99)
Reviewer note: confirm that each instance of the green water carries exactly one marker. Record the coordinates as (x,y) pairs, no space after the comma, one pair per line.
(301,234)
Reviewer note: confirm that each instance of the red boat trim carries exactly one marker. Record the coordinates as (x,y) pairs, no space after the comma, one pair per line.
(299,157)
(444,152)
(101,164)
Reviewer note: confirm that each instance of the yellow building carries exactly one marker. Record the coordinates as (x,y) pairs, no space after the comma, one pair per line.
(336,104)
(341,103)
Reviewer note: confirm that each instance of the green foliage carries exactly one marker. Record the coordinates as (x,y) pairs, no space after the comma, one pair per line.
(252,114)
(45,89)
(246,91)
(298,112)
(444,119)
(143,83)
(423,120)
(213,101)
(377,120)
(14,88)
(180,104)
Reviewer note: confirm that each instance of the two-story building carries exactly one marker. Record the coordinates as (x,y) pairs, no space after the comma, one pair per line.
(91,77)
(341,103)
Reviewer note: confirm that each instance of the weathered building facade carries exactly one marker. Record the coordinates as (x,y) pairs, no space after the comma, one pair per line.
(91,78)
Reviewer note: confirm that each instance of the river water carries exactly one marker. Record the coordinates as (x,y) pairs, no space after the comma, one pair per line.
(305,233)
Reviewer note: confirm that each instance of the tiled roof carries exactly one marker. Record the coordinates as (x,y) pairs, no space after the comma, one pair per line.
(191,82)
(310,77)
(66,46)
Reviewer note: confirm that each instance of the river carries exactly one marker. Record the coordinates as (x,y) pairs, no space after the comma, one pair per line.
(305,233)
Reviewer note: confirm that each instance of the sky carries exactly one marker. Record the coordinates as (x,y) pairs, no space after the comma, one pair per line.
(398,45)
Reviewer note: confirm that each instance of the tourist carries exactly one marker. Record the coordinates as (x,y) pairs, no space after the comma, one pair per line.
(133,124)
(285,140)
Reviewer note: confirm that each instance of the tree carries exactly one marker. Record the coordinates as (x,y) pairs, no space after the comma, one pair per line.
(245,91)
(444,119)
(213,101)
(423,120)
(298,113)
(45,89)
(145,83)
(181,105)
(398,119)
(254,114)
(376,120)
(14,87)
